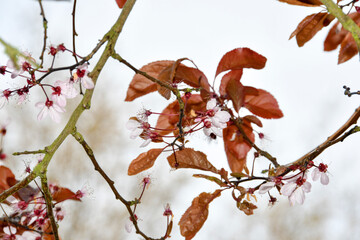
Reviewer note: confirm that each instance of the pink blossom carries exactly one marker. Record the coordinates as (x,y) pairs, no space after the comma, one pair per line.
(295,189)
(58,97)
(217,119)
(10,232)
(67,88)
(28,235)
(264,188)
(135,127)
(82,74)
(321,173)
(51,108)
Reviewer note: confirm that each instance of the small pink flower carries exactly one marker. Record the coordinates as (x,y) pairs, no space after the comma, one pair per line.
(264,188)
(82,74)
(320,173)
(218,117)
(135,127)
(58,97)
(295,189)
(51,108)
(10,232)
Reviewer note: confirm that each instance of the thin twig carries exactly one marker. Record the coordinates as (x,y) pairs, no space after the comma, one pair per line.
(74,31)
(49,205)
(45,22)
(110,182)
(252,144)
(29,152)
(338,136)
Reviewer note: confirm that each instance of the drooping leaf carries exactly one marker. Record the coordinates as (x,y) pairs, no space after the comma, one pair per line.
(308,27)
(236,147)
(178,72)
(63,194)
(235,91)
(121,3)
(7,178)
(263,105)
(234,74)
(211,178)
(144,161)
(240,58)
(305,3)
(253,119)
(169,118)
(140,85)
(195,216)
(348,49)
(189,158)
(194,78)
(246,207)
(337,33)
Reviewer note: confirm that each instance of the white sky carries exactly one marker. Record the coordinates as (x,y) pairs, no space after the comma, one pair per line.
(307,83)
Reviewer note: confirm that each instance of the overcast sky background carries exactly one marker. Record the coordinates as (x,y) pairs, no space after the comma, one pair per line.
(307,83)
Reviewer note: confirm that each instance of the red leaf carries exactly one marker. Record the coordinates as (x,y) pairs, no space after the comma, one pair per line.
(7,178)
(305,3)
(64,194)
(195,216)
(140,85)
(144,161)
(236,147)
(348,49)
(169,118)
(189,158)
(308,27)
(234,74)
(235,91)
(253,119)
(336,36)
(263,105)
(180,73)
(120,3)
(240,58)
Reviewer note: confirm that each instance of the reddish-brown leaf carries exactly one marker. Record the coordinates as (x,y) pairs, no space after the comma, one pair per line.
(348,48)
(189,158)
(240,58)
(246,207)
(263,105)
(7,178)
(195,216)
(212,179)
(336,35)
(308,27)
(234,74)
(64,194)
(140,85)
(236,147)
(169,118)
(305,3)
(144,161)
(121,3)
(235,91)
(194,78)
(253,119)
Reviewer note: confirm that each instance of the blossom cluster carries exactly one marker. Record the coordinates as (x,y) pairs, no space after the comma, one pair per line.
(297,185)
(61,90)
(212,121)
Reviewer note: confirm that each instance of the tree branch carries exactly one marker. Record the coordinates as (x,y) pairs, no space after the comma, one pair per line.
(344,19)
